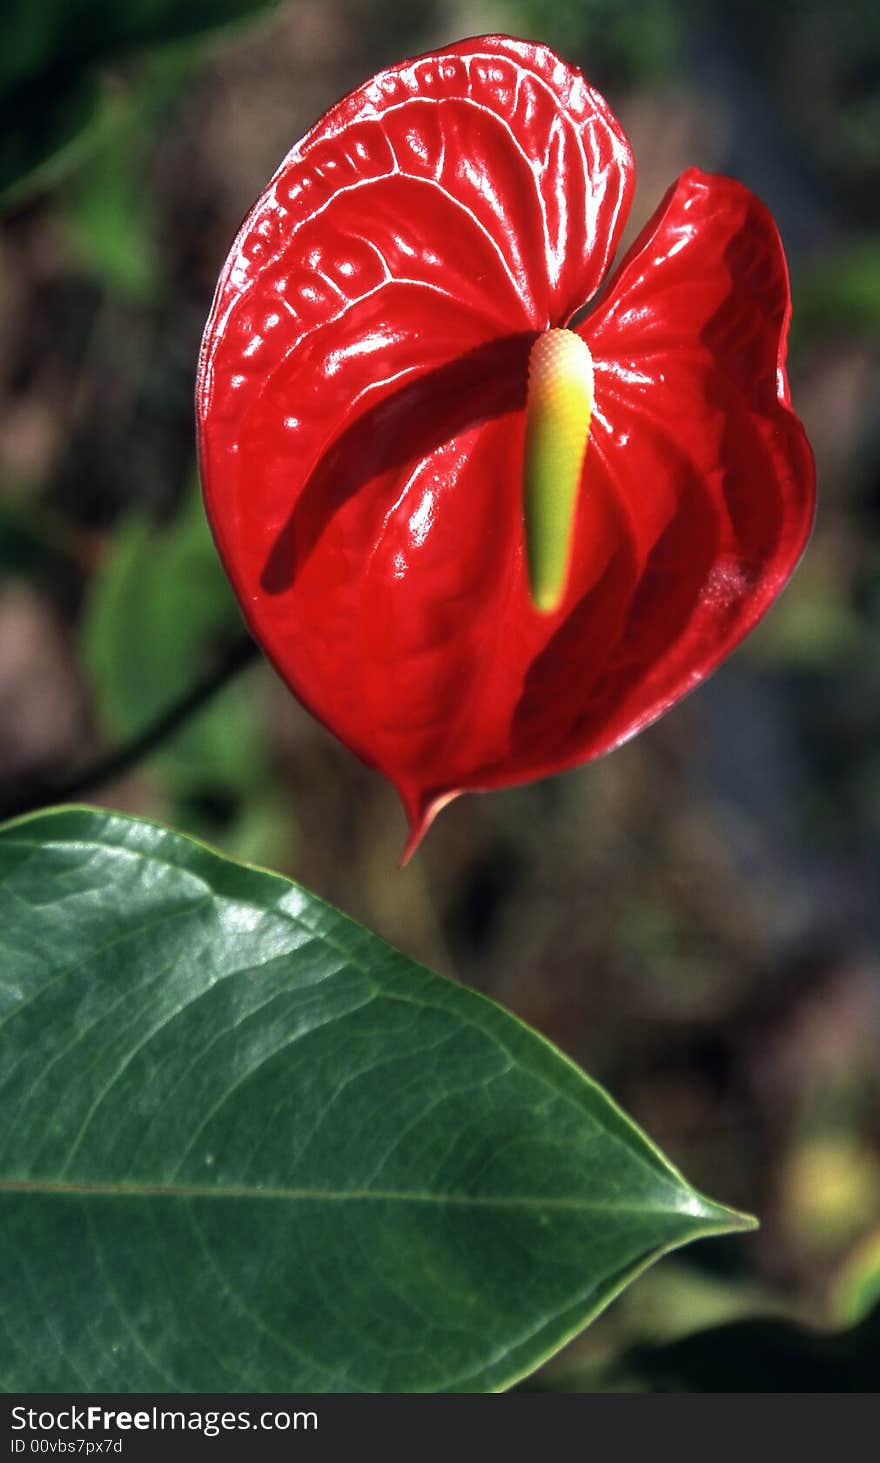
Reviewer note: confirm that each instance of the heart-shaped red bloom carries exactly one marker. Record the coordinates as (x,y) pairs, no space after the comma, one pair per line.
(362,415)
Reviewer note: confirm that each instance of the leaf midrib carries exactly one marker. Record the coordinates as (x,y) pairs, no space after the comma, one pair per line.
(53,1188)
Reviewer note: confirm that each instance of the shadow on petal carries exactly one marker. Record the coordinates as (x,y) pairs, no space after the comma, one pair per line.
(484,383)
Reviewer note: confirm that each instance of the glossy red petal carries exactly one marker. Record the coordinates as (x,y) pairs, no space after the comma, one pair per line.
(361,399)
(694,432)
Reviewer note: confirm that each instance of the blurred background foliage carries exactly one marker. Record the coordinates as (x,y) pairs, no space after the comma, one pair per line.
(695,919)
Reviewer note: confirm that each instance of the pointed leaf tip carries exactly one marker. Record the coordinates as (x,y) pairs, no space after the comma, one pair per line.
(349,1136)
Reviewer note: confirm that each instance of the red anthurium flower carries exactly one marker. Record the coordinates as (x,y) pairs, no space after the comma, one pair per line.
(481,539)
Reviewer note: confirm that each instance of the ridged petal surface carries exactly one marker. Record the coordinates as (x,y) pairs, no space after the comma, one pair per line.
(362,402)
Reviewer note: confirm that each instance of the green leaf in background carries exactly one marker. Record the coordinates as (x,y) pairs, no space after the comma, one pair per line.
(840,296)
(34,540)
(250,1147)
(108,206)
(110,220)
(639,41)
(686,1330)
(815,625)
(764,1356)
(160,606)
(54,99)
(857,1290)
(44,133)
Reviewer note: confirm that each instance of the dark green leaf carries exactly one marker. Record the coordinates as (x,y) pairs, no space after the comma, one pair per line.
(249,1147)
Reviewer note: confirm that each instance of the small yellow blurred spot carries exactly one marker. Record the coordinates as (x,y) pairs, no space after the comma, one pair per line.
(831,1192)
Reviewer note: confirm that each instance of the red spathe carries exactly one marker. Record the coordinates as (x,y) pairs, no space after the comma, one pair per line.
(361,405)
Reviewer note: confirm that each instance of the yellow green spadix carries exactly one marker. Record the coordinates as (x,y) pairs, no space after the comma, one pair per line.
(560,402)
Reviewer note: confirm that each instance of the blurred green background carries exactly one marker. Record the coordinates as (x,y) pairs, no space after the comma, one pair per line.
(695,919)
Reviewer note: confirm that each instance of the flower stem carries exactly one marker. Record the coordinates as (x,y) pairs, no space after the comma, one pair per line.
(45,786)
